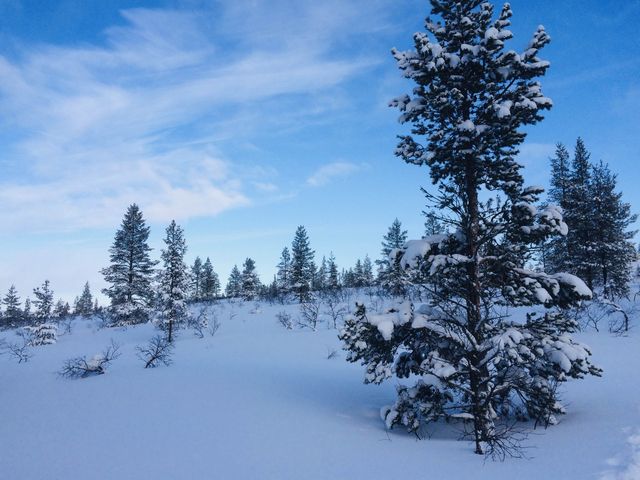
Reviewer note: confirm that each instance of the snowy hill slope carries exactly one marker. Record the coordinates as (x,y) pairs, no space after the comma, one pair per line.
(257,401)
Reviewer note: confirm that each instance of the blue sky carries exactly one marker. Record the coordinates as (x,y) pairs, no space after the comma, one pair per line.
(244,119)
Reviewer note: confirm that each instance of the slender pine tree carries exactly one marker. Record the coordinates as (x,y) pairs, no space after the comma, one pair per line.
(611,239)
(84,304)
(43,302)
(302,264)
(555,252)
(391,276)
(283,276)
(250,282)
(234,283)
(196,276)
(333,278)
(210,282)
(12,313)
(173,281)
(578,216)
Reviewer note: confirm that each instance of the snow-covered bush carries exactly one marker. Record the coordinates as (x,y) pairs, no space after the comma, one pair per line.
(81,367)
(42,334)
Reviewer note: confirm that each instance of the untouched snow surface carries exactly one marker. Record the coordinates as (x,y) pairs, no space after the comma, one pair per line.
(259,402)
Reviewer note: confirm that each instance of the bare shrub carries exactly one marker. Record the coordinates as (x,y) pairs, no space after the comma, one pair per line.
(200,322)
(80,367)
(309,313)
(214,325)
(157,351)
(66,325)
(19,351)
(284,319)
(332,353)
(335,310)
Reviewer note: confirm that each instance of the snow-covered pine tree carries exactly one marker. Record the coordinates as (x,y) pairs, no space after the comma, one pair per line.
(358,274)
(348,278)
(555,251)
(173,281)
(27,315)
(578,216)
(84,305)
(45,333)
(196,280)
(234,283)
(302,264)
(210,282)
(610,239)
(250,282)
(432,223)
(367,272)
(43,302)
(61,309)
(283,275)
(12,313)
(333,278)
(391,276)
(472,360)
(320,277)
(130,274)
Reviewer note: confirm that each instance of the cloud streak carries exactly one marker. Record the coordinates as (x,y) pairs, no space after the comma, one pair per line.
(327,173)
(139,118)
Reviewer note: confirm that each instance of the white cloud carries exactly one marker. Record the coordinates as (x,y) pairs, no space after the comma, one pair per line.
(136,119)
(329,172)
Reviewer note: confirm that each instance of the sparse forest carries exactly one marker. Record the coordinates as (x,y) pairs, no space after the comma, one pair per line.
(505,327)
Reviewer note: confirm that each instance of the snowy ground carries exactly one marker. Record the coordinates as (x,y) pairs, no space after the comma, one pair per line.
(259,402)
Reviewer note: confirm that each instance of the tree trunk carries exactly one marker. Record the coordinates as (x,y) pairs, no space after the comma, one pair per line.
(473,304)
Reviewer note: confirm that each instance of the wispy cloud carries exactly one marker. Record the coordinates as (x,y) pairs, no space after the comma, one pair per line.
(139,117)
(325,174)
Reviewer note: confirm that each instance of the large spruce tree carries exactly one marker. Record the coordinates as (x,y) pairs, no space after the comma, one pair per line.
(173,281)
(472,360)
(130,274)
